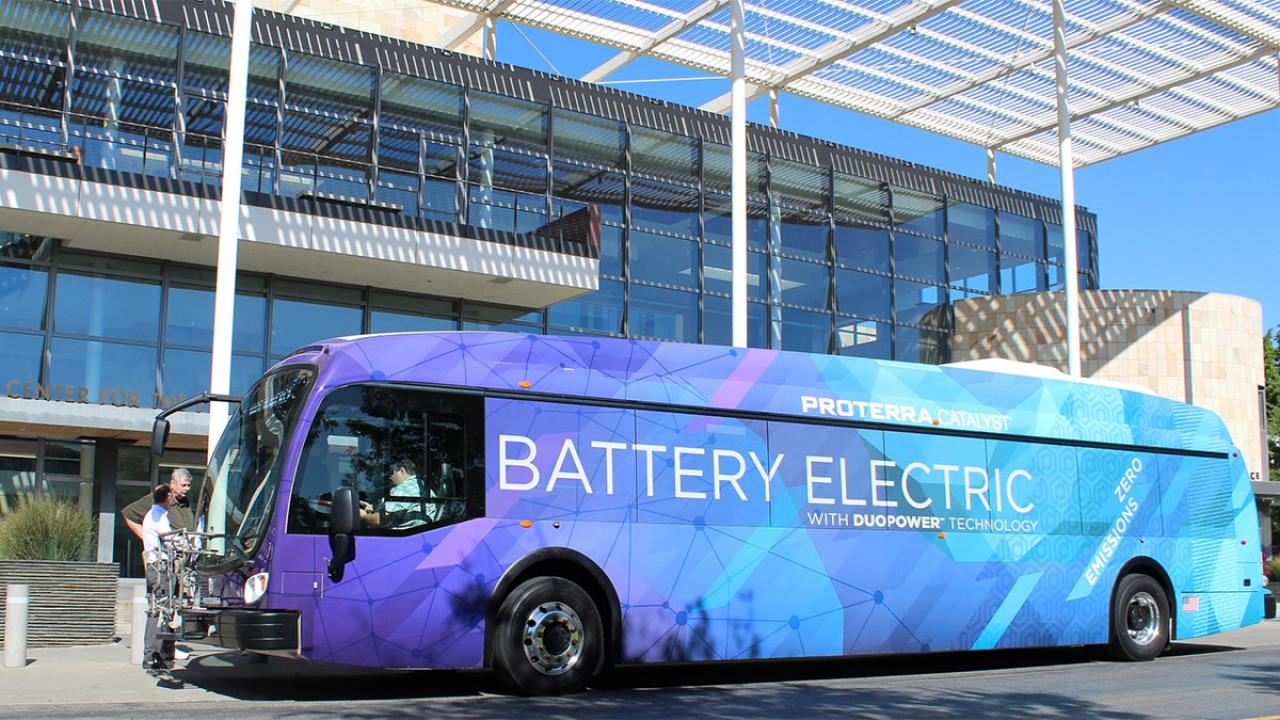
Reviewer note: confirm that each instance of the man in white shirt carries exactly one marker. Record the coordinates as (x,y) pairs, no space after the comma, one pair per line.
(158,654)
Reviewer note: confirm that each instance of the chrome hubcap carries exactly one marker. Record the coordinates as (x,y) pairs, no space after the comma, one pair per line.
(1142,619)
(553,638)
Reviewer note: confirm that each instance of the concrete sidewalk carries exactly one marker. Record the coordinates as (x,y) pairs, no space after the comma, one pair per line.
(89,674)
(102,674)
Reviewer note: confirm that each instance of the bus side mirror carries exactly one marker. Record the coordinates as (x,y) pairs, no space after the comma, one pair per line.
(159,436)
(344,520)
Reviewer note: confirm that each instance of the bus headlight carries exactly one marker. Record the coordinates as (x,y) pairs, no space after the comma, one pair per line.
(254,588)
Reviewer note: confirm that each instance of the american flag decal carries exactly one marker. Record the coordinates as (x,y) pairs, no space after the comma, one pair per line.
(1191,604)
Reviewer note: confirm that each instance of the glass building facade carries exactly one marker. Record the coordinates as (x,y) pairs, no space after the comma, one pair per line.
(138,333)
(849,252)
(840,262)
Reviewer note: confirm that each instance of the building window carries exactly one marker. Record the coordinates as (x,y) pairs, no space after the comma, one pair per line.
(864,294)
(1019,275)
(663,314)
(510,122)
(805,331)
(717,220)
(20,358)
(86,306)
(405,313)
(599,312)
(919,212)
(97,367)
(588,138)
(576,186)
(912,300)
(717,326)
(804,283)
(863,338)
(22,293)
(663,259)
(803,233)
(862,246)
(663,154)
(971,224)
(663,206)
(476,316)
(717,273)
(918,257)
(1021,236)
(295,323)
(973,270)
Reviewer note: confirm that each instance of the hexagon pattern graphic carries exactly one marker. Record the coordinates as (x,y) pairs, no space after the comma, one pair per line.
(762,504)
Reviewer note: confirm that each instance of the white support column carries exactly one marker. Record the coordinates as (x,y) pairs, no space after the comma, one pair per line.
(991,165)
(1066,168)
(490,38)
(738,186)
(773,107)
(224,297)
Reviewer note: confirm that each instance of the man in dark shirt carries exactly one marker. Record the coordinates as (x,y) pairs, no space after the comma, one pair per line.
(180,518)
(180,515)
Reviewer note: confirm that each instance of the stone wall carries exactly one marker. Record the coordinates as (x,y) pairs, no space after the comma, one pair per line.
(418,22)
(1202,348)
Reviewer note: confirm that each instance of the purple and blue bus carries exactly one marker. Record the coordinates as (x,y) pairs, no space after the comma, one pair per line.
(551,507)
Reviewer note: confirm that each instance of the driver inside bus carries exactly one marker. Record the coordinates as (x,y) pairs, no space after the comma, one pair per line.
(404,505)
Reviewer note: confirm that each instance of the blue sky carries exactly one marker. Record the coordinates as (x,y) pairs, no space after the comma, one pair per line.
(1200,213)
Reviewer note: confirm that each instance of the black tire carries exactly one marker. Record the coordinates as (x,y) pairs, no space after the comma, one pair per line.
(1140,619)
(548,638)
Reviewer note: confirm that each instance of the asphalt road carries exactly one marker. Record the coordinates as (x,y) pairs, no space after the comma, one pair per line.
(1233,676)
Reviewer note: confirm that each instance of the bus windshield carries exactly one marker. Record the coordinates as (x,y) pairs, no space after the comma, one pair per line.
(244,471)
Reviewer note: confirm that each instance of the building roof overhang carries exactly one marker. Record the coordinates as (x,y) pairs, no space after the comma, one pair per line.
(1141,72)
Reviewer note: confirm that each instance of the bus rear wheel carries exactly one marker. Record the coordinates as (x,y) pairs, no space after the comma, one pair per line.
(1140,619)
(548,638)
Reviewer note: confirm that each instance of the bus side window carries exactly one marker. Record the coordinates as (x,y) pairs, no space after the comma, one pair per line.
(443,477)
(1196,497)
(404,450)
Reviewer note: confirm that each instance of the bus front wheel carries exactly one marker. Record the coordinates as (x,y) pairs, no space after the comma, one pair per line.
(1140,620)
(549,637)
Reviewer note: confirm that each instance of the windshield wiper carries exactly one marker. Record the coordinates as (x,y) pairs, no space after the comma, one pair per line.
(238,560)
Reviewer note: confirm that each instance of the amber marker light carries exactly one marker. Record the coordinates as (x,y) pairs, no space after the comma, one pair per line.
(526,523)
(937,422)
(942,536)
(525,384)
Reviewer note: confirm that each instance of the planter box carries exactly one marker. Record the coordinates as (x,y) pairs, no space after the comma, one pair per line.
(72,603)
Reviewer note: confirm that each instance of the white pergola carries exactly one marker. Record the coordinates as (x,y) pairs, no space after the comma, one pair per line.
(1065,86)
(1025,77)
(1141,72)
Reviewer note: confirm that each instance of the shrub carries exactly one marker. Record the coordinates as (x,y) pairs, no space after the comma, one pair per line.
(45,527)
(1273,568)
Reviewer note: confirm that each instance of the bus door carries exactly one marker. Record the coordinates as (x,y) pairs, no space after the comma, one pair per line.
(415,460)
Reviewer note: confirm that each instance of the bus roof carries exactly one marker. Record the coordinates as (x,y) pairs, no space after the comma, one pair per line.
(958,398)
(1014,367)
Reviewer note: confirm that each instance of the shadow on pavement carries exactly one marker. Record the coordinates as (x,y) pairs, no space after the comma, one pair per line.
(762,689)
(1262,677)
(1180,649)
(772,701)
(282,679)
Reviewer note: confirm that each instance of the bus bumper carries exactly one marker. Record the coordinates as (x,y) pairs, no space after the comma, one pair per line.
(277,632)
